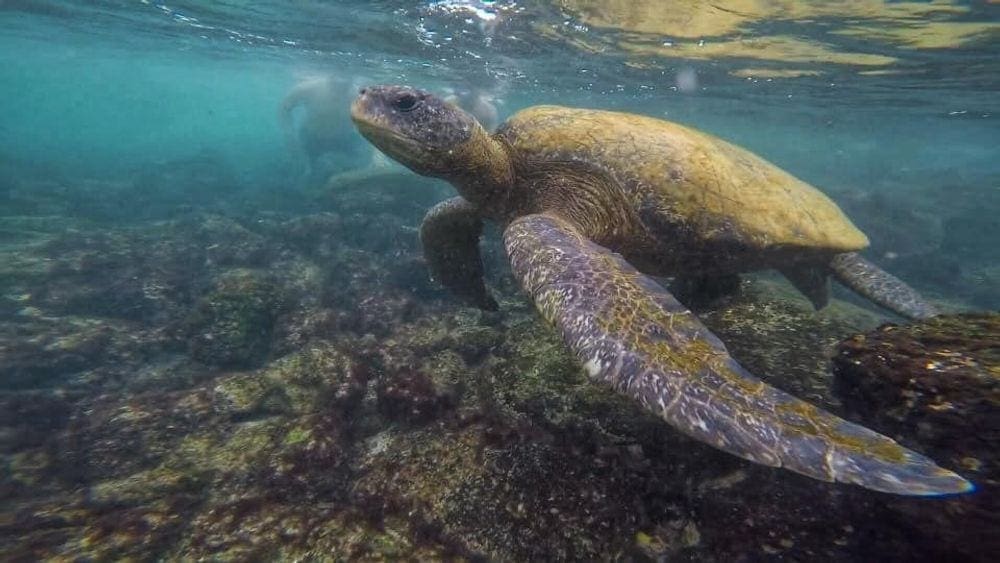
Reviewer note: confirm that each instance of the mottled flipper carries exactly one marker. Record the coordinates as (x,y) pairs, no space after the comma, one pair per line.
(632,334)
(450,237)
(880,287)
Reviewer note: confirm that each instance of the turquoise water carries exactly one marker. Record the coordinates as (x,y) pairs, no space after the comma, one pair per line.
(186,311)
(135,80)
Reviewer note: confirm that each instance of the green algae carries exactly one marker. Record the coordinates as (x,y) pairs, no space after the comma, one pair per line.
(148,486)
(315,378)
(232,324)
(297,435)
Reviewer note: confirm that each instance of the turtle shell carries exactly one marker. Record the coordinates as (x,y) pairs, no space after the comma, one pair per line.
(691,180)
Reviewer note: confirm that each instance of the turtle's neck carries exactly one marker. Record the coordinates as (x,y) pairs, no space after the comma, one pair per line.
(484,174)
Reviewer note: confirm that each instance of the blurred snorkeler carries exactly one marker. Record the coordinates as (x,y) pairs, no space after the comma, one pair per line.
(323,135)
(480,102)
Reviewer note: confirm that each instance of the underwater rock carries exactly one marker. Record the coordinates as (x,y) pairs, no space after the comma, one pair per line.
(383,234)
(111,437)
(231,325)
(512,490)
(471,333)
(88,440)
(935,377)
(28,418)
(617,482)
(376,311)
(942,241)
(156,190)
(319,235)
(422,444)
(39,352)
(388,422)
(26,192)
(475,341)
(702,292)
(353,286)
(936,384)
(410,396)
(152,464)
(509,499)
(315,379)
(222,242)
(776,334)
(150,274)
(409,273)
(105,274)
(300,327)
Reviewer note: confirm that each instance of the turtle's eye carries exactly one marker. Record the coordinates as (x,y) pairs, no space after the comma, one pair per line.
(406,102)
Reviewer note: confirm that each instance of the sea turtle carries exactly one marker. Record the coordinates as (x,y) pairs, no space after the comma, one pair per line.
(591,203)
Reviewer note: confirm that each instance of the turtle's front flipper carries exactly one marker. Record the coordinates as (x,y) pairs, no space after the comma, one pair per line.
(450,237)
(880,287)
(632,334)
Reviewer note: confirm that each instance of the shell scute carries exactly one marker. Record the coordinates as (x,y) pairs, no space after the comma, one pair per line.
(715,188)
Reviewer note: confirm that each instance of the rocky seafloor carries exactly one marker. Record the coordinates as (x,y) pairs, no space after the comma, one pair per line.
(218,380)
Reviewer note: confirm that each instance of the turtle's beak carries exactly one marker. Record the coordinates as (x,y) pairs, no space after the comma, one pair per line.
(360,114)
(371,122)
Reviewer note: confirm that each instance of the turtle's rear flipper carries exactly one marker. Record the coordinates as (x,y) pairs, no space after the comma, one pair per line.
(450,237)
(811,281)
(632,334)
(880,287)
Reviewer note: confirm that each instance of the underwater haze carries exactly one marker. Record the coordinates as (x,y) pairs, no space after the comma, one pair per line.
(221,337)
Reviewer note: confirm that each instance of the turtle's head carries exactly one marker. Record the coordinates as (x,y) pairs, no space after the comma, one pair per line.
(435,138)
(425,133)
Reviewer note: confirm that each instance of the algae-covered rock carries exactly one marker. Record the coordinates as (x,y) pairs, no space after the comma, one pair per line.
(513,498)
(27,418)
(38,352)
(411,396)
(372,418)
(112,436)
(315,379)
(149,273)
(936,385)
(232,324)
(939,378)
